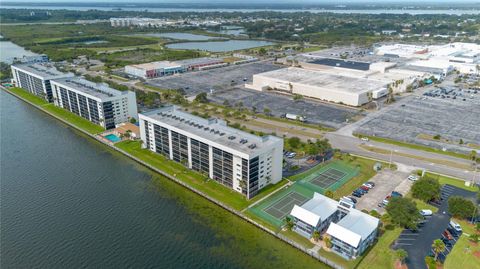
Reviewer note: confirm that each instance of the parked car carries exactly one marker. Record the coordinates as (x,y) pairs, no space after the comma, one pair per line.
(426,212)
(357,194)
(370,183)
(367,185)
(365,139)
(447,242)
(365,188)
(396,194)
(455,226)
(412,177)
(352,199)
(361,190)
(446,234)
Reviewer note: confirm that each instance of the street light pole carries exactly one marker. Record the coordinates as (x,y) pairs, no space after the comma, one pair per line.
(391,155)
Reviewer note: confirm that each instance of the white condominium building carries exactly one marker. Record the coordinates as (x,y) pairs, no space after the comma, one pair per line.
(95,102)
(35,78)
(239,160)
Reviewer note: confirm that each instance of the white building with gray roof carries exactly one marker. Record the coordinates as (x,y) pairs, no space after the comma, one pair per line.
(96,102)
(35,78)
(239,160)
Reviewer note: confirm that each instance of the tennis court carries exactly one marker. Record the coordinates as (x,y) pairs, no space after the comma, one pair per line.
(329,177)
(284,206)
(275,208)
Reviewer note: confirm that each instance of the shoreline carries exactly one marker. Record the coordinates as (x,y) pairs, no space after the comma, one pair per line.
(181,183)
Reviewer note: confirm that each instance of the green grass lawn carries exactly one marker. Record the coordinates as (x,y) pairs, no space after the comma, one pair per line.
(414,146)
(28,96)
(339,260)
(192,178)
(59,112)
(451,181)
(381,256)
(421,204)
(462,254)
(298,238)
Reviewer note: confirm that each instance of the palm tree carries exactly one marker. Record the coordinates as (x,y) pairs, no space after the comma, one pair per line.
(316,235)
(438,246)
(401,255)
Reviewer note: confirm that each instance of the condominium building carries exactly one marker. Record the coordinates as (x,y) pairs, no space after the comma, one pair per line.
(35,78)
(239,160)
(95,102)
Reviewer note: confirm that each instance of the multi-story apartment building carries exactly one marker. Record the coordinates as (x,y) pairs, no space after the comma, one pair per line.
(95,102)
(239,160)
(35,78)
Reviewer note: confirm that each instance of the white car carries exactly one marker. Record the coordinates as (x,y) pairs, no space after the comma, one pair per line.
(456,226)
(365,139)
(412,177)
(426,212)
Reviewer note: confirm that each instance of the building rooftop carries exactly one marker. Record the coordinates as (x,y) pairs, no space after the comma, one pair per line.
(212,129)
(44,70)
(196,61)
(352,228)
(317,209)
(325,79)
(99,90)
(157,65)
(342,63)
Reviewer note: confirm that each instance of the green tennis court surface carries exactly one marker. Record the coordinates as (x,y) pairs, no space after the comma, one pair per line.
(332,176)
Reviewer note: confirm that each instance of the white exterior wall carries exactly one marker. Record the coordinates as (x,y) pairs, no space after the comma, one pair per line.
(135,71)
(272,156)
(328,94)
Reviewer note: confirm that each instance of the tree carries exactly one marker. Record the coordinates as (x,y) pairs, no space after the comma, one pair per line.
(473,155)
(262,51)
(426,189)
(329,194)
(201,98)
(460,207)
(294,142)
(133,120)
(438,246)
(401,255)
(266,110)
(289,222)
(316,235)
(328,242)
(403,212)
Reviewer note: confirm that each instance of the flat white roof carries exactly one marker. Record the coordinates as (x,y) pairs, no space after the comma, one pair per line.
(214,130)
(326,79)
(99,90)
(44,70)
(157,65)
(316,209)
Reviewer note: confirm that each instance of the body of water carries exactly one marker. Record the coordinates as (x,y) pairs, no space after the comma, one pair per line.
(71,202)
(220,46)
(9,51)
(180,36)
(339,11)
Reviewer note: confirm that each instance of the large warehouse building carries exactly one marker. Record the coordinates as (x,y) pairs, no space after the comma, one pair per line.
(325,86)
(239,160)
(95,102)
(154,69)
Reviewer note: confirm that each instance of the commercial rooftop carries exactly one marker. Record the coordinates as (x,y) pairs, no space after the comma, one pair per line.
(99,90)
(352,228)
(212,129)
(197,61)
(319,208)
(157,65)
(342,63)
(321,79)
(44,70)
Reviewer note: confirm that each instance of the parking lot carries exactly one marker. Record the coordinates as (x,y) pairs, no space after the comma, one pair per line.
(315,112)
(385,181)
(420,118)
(218,79)
(418,244)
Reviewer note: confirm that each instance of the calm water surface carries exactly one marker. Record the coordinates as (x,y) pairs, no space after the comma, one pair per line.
(220,46)
(69,202)
(9,50)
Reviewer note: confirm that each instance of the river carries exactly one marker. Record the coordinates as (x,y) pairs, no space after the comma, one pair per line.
(68,201)
(246,10)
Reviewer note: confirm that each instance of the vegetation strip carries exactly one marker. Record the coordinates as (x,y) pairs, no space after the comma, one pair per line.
(180,182)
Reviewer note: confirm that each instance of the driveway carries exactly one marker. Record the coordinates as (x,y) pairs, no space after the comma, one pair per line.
(385,181)
(419,243)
